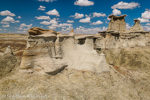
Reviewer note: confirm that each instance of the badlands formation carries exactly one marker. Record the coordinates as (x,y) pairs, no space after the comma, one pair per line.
(49,52)
(110,65)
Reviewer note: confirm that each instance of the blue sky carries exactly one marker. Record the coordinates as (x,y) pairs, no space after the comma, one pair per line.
(84,16)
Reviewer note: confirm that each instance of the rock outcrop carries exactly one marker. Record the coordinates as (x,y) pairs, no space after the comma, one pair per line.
(117,36)
(50,54)
(136,27)
(117,23)
(40,31)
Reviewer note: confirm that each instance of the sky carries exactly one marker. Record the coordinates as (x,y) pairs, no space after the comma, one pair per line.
(84,16)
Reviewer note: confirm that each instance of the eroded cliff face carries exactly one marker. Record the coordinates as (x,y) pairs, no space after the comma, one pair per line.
(50,53)
(126,40)
(117,36)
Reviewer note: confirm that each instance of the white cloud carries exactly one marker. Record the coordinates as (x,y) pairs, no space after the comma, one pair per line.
(61,25)
(116,12)
(146,28)
(53,26)
(47,0)
(17,21)
(143,20)
(8,19)
(97,23)
(108,18)
(45,23)
(82,30)
(125,5)
(87,15)
(0,29)
(4,22)
(148,24)
(64,27)
(7,13)
(5,26)
(42,8)
(84,3)
(23,26)
(64,24)
(86,20)
(19,17)
(77,16)
(43,18)
(53,21)
(53,12)
(146,14)
(127,26)
(70,21)
(95,14)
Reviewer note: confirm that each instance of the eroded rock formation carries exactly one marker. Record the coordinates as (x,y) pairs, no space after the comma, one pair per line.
(137,26)
(117,23)
(40,31)
(51,53)
(117,36)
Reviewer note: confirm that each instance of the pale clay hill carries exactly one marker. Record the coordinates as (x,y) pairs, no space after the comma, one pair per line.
(48,65)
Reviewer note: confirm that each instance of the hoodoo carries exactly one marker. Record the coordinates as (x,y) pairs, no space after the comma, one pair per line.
(117,36)
(50,53)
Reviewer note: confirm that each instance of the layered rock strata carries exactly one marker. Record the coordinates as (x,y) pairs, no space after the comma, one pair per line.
(51,53)
(117,36)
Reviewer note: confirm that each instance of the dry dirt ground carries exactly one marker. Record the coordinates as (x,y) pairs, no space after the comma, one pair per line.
(129,78)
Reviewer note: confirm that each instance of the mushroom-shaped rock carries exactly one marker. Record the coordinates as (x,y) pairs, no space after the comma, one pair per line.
(117,23)
(72,32)
(8,51)
(137,26)
(97,36)
(40,31)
